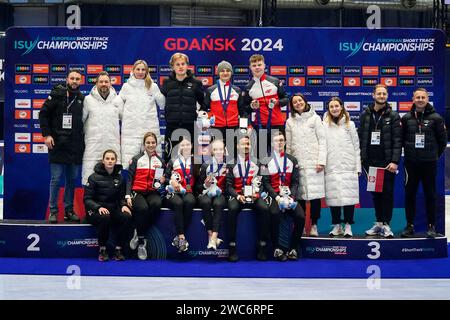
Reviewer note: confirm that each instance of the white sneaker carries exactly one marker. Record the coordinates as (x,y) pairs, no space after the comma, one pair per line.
(348,231)
(134,241)
(336,231)
(313,232)
(212,244)
(142,251)
(375,230)
(218,242)
(387,232)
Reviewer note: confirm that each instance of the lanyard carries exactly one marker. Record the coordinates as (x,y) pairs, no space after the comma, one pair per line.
(282,174)
(225,102)
(70,104)
(183,168)
(419,123)
(219,166)
(376,122)
(258,115)
(247,170)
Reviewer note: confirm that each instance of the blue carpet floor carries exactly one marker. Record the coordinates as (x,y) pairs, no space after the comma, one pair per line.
(304,268)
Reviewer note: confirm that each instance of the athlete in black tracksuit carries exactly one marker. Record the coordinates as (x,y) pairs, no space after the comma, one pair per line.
(181,106)
(382,153)
(421,159)
(105,190)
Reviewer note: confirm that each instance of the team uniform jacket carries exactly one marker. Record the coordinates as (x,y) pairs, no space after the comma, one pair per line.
(343,163)
(391,134)
(101,129)
(433,127)
(174,165)
(234,180)
(104,190)
(306,141)
(263,90)
(235,107)
(141,172)
(272,179)
(139,114)
(69,143)
(206,170)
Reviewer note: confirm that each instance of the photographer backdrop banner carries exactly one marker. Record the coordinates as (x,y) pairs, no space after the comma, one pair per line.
(320,63)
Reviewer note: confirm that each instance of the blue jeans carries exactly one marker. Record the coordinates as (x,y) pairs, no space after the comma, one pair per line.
(56,172)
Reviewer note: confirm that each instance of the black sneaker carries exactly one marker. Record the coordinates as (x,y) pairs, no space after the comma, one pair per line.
(232,254)
(118,255)
(53,217)
(279,255)
(70,216)
(408,232)
(261,252)
(103,255)
(431,233)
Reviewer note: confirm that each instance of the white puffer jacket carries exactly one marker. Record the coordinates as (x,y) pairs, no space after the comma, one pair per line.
(139,115)
(101,129)
(306,141)
(343,163)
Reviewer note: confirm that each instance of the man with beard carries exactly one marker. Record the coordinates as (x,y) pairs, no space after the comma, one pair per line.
(424,141)
(62,127)
(380,137)
(101,124)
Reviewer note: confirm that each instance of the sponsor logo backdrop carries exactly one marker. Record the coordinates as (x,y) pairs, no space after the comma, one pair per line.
(320,63)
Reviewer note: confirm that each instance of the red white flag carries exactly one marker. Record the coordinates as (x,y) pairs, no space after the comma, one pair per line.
(375,179)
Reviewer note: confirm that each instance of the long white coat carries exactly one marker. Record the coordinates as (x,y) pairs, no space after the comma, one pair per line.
(306,141)
(343,163)
(101,129)
(139,114)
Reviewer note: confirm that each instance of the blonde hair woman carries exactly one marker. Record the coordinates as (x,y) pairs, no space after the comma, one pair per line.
(137,102)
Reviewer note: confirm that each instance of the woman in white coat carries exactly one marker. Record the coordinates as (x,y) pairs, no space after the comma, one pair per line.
(306,141)
(101,124)
(137,101)
(343,166)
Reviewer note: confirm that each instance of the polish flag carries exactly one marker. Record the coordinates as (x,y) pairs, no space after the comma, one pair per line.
(375,179)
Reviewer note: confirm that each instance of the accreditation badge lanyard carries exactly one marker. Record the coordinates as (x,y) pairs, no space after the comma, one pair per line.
(282,174)
(211,168)
(186,176)
(67,116)
(258,114)
(376,135)
(223,102)
(420,137)
(247,170)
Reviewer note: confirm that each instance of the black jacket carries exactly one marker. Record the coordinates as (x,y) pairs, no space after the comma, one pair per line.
(432,125)
(181,99)
(104,190)
(69,143)
(391,134)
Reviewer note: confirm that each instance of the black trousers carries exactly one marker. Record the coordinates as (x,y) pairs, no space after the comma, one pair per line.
(183,206)
(316,207)
(416,172)
(384,201)
(146,210)
(212,217)
(170,144)
(336,213)
(298,217)
(120,222)
(261,210)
